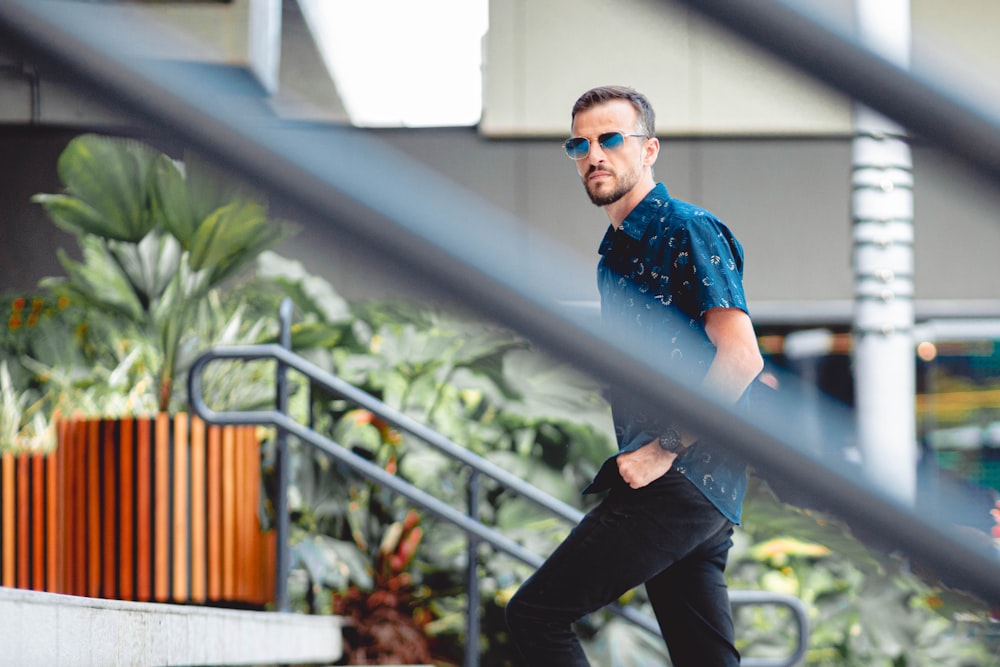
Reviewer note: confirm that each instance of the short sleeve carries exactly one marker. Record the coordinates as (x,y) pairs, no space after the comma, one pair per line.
(715,274)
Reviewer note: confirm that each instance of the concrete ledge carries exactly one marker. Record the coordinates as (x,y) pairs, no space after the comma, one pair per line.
(50,630)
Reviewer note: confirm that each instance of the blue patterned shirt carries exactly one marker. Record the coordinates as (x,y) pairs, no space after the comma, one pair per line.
(667,265)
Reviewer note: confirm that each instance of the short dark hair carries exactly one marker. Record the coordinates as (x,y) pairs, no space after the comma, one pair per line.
(604,94)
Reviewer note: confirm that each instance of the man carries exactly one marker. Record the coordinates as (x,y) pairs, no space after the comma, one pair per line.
(670,275)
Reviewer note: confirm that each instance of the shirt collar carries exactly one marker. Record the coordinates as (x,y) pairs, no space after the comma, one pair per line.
(636,222)
(638,219)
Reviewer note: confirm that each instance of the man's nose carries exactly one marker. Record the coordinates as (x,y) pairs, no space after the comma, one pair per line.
(596,154)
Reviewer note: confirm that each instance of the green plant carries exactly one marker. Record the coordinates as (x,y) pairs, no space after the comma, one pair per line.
(387,621)
(24,425)
(37,325)
(866,607)
(353,546)
(156,236)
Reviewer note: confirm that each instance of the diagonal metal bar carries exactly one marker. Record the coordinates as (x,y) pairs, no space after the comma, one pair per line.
(944,116)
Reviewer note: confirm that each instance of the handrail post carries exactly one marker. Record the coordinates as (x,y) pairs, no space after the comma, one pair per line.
(472,578)
(284,564)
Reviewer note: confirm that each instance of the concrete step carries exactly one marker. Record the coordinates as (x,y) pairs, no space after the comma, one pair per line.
(50,630)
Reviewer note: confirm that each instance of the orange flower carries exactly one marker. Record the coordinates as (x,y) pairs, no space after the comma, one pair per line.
(14,323)
(62,303)
(18,305)
(388,433)
(411,520)
(37,305)
(362,417)
(32,319)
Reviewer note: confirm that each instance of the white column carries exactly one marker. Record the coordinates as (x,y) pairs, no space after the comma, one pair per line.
(264,42)
(882,181)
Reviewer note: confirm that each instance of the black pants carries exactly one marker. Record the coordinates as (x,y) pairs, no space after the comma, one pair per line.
(666,535)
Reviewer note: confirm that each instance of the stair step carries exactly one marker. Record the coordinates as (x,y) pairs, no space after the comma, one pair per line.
(53,630)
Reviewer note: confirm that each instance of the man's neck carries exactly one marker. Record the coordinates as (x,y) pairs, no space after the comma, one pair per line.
(619,210)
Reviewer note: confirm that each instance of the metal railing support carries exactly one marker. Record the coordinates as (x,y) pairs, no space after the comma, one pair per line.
(281,470)
(472,578)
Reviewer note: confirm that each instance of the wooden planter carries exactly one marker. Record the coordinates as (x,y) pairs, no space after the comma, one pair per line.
(159,509)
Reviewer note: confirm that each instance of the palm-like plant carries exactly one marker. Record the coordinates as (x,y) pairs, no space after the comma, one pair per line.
(156,236)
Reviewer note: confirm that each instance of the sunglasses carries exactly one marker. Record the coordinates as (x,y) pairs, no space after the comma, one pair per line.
(578,148)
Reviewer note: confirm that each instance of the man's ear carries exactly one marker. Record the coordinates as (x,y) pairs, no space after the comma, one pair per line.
(650,152)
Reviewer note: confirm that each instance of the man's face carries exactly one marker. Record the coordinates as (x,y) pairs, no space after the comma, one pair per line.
(608,175)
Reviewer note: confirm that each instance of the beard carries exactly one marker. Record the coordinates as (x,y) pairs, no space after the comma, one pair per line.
(622,186)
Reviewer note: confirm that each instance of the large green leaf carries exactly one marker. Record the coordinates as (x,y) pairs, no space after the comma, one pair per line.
(621,644)
(111,176)
(233,236)
(174,207)
(333,563)
(187,193)
(553,391)
(412,349)
(70,213)
(551,481)
(312,295)
(149,265)
(98,281)
(209,187)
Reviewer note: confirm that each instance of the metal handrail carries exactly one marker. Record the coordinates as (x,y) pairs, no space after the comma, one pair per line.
(476,531)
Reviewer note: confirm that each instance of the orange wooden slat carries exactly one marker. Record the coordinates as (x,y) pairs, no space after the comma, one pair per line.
(23,527)
(241,562)
(253,522)
(73,506)
(52,523)
(63,504)
(77,573)
(37,521)
(214,527)
(80,527)
(92,536)
(161,507)
(60,542)
(228,512)
(198,588)
(253,494)
(109,529)
(180,522)
(9,506)
(126,530)
(144,500)
(253,545)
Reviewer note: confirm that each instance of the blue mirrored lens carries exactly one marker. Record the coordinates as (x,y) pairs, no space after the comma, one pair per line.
(577,147)
(611,140)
